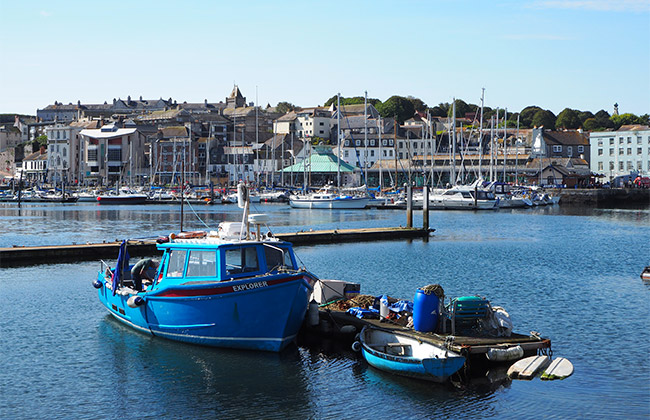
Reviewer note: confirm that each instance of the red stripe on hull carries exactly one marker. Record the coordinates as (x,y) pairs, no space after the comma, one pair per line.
(225,289)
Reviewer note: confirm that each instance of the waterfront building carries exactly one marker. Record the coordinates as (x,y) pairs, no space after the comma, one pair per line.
(112,154)
(64,152)
(34,166)
(622,152)
(314,123)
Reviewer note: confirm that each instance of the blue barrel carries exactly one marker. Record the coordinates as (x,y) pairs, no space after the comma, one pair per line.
(425,311)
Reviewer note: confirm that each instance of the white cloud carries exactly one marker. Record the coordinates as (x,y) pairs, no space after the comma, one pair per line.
(597,5)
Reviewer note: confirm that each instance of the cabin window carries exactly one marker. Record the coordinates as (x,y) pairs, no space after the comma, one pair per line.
(202,264)
(241,260)
(466,194)
(176,265)
(277,258)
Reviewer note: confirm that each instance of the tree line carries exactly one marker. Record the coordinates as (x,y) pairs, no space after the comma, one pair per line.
(403,108)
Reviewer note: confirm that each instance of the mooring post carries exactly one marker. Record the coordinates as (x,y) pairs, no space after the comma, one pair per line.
(425,208)
(409,206)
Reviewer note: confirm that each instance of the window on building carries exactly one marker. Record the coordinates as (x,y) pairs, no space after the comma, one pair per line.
(611,141)
(321,132)
(401,155)
(620,140)
(372,153)
(600,166)
(629,165)
(569,151)
(115,155)
(638,140)
(639,166)
(600,152)
(92,155)
(611,166)
(629,140)
(347,153)
(600,142)
(65,150)
(629,150)
(620,151)
(357,142)
(557,149)
(621,166)
(321,123)
(611,152)
(581,149)
(400,145)
(639,150)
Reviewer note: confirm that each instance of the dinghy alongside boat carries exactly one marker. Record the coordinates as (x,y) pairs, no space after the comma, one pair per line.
(405,355)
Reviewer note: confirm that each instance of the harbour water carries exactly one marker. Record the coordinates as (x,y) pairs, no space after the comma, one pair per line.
(570,274)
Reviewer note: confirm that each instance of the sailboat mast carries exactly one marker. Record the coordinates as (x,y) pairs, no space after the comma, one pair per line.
(480,136)
(453,143)
(365,136)
(338,140)
(492,148)
(517,154)
(257,140)
(505,146)
(380,156)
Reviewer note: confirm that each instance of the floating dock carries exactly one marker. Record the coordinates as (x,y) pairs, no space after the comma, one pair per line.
(23,255)
(473,347)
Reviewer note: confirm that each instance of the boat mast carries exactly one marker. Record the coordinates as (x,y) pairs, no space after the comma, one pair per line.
(453,143)
(257,139)
(338,139)
(492,148)
(505,146)
(365,136)
(517,154)
(380,156)
(480,136)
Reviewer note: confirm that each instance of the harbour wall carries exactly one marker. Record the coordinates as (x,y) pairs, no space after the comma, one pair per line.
(606,196)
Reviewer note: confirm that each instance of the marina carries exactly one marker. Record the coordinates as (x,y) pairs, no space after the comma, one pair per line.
(515,265)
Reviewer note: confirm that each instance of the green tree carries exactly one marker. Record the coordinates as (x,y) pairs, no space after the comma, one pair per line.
(396,107)
(592,124)
(285,107)
(568,119)
(351,101)
(440,110)
(624,119)
(418,104)
(544,118)
(526,116)
(42,140)
(584,116)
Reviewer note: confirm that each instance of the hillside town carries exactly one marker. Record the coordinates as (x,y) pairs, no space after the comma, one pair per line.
(143,142)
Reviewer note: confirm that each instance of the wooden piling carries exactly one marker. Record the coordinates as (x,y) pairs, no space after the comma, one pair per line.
(409,206)
(425,208)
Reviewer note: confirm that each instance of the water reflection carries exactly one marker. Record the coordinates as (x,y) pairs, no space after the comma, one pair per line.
(186,381)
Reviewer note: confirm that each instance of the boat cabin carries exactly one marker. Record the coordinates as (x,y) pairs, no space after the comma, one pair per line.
(189,261)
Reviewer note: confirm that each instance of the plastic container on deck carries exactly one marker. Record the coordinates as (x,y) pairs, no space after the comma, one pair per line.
(425,311)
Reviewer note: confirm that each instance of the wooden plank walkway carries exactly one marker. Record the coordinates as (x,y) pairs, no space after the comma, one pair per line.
(20,255)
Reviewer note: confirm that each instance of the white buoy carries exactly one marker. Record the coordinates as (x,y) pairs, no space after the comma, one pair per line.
(314,316)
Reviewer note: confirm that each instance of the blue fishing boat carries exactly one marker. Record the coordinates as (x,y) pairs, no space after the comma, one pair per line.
(227,288)
(406,355)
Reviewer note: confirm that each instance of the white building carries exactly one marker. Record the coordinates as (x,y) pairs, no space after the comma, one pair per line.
(616,153)
(112,153)
(63,153)
(306,123)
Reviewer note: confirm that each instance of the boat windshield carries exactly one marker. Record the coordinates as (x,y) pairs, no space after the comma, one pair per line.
(241,260)
(277,258)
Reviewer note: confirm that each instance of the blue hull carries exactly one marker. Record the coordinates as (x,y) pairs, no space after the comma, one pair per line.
(261,313)
(413,358)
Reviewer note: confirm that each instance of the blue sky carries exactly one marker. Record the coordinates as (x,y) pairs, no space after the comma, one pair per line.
(582,54)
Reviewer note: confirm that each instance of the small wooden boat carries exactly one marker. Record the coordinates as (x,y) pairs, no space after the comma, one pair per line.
(406,355)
